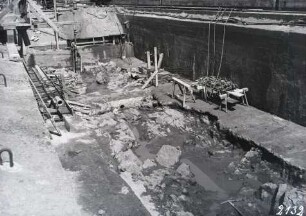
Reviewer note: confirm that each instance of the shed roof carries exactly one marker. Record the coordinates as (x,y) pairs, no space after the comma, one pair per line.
(91,23)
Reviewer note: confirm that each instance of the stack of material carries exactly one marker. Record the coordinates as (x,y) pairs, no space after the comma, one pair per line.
(216,85)
(79,107)
(71,83)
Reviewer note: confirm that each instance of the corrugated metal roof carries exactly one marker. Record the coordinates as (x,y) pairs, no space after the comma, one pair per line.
(91,23)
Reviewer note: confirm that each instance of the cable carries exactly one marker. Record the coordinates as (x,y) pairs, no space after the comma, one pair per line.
(222,52)
(216,20)
(98,16)
(208,44)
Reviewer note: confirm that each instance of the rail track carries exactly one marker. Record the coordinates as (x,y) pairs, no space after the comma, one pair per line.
(50,98)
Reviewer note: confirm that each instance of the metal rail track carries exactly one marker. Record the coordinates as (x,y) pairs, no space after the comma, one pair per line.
(45,90)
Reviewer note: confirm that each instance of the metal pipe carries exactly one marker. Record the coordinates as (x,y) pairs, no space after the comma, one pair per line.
(10,153)
(58,101)
(4,79)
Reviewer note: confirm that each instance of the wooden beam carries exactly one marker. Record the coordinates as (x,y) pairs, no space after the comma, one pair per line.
(181,82)
(40,13)
(148,60)
(155,72)
(155,65)
(160,60)
(12,52)
(149,80)
(185,86)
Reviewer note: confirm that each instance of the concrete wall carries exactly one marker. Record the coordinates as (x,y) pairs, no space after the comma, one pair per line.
(90,55)
(49,58)
(267,4)
(271,63)
(99,52)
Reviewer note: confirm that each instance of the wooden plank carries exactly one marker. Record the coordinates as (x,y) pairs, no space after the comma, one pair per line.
(78,104)
(185,85)
(160,60)
(12,52)
(149,80)
(155,66)
(181,82)
(155,72)
(148,60)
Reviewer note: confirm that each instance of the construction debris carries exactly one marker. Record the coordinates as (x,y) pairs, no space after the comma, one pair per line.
(168,156)
(215,84)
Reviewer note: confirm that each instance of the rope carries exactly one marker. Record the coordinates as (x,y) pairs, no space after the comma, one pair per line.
(208,57)
(98,17)
(222,52)
(216,20)
(208,43)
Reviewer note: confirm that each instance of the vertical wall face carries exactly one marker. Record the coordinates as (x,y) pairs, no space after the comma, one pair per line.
(265,4)
(271,64)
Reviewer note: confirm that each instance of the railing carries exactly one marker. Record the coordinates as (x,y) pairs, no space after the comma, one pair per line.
(4,79)
(10,153)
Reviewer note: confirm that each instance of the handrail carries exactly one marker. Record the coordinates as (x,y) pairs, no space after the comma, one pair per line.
(10,153)
(4,79)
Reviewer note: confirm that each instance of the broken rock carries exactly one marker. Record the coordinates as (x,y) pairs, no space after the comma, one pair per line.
(183,213)
(148,164)
(129,162)
(253,155)
(184,170)
(168,156)
(294,197)
(102,77)
(269,187)
(155,178)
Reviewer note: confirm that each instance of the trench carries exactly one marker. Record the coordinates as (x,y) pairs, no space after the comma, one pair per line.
(128,136)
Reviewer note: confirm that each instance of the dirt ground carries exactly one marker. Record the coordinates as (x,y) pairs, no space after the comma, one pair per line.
(175,162)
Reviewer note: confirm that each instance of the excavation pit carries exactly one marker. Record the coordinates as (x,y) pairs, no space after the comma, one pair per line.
(129,136)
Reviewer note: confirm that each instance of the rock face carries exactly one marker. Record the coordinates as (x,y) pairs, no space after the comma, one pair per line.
(168,156)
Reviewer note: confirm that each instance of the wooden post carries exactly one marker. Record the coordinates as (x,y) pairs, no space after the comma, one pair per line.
(55,10)
(81,64)
(56,40)
(155,65)
(160,60)
(173,93)
(55,17)
(148,60)
(155,72)
(184,96)
(193,67)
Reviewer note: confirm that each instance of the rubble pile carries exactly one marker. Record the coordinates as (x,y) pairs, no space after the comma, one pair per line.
(216,84)
(175,162)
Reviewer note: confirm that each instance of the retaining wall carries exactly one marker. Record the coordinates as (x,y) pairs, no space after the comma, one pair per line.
(265,4)
(271,64)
